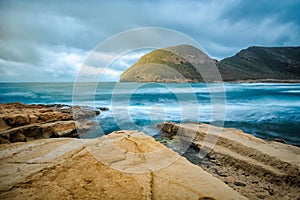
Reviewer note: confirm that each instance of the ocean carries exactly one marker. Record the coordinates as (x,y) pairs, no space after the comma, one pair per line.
(266,110)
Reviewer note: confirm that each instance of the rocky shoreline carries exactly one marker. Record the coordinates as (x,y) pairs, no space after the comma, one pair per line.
(21,122)
(256,168)
(227,164)
(69,168)
(265,81)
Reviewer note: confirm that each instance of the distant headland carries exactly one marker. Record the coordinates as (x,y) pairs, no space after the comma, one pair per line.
(184,62)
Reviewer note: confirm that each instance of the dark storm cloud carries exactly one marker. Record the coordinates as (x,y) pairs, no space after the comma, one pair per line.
(271,23)
(53,38)
(284,11)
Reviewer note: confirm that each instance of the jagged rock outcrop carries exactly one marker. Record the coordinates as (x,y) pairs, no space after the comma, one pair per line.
(257,168)
(21,123)
(68,168)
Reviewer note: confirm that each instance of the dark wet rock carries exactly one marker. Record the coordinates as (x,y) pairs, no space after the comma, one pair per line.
(103,108)
(239,184)
(279,140)
(260,196)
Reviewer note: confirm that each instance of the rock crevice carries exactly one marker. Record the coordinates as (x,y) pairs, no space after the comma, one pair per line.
(257,164)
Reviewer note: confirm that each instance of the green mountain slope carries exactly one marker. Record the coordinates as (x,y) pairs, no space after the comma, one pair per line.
(183,64)
(172,64)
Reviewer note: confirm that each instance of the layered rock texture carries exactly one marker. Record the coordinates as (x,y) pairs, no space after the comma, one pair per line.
(256,168)
(216,164)
(185,63)
(121,165)
(21,123)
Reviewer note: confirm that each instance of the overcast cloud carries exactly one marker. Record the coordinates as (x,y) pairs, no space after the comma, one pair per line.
(50,40)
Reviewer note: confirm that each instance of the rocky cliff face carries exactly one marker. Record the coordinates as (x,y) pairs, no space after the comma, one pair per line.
(21,123)
(185,63)
(66,168)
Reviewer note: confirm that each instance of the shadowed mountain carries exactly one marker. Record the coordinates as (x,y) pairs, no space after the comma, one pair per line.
(253,63)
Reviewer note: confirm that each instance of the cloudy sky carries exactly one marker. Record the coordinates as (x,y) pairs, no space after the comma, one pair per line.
(50,40)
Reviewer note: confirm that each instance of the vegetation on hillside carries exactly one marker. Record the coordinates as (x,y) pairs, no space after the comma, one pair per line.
(254,63)
(162,65)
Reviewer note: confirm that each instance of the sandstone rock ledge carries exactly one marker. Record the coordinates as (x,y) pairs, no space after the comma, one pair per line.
(256,168)
(64,168)
(21,122)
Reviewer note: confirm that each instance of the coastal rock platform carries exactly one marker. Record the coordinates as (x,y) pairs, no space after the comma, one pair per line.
(257,168)
(202,161)
(68,168)
(21,122)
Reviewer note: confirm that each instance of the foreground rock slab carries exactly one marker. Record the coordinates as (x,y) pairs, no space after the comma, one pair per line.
(68,168)
(257,168)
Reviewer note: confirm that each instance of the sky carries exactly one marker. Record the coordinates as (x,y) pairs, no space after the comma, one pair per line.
(45,41)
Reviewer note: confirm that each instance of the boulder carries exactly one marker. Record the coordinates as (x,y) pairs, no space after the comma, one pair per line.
(103,108)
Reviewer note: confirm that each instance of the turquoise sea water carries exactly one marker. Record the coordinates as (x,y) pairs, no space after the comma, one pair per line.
(266,110)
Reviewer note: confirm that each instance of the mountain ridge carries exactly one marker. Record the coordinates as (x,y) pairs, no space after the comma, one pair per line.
(164,65)
(258,62)
(183,63)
